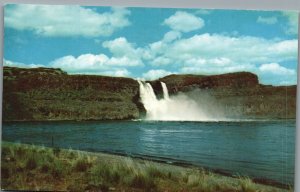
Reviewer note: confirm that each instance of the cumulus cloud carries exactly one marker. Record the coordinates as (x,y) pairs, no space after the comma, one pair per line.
(120,47)
(155,74)
(219,53)
(267,20)
(203,11)
(274,73)
(160,61)
(276,69)
(124,56)
(212,69)
(235,50)
(85,64)
(116,73)
(63,20)
(171,36)
(124,53)
(93,64)
(292,17)
(9,63)
(184,22)
(202,53)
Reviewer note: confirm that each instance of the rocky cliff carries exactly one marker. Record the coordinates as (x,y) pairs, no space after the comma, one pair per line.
(239,94)
(51,94)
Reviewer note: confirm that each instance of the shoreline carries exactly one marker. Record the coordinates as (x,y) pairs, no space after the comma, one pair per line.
(218,177)
(185,164)
(139,120)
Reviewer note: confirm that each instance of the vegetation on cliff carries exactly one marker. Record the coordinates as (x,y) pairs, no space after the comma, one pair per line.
(51,94)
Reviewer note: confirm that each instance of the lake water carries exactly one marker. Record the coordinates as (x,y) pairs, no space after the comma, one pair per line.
(260,149)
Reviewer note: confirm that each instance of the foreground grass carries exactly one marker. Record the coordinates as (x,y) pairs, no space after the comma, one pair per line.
(28,167)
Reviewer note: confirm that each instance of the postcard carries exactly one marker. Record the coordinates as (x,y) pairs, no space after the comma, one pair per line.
(148,99)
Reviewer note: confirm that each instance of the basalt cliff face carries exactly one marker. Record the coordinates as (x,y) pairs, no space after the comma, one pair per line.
(239,94)
(51,94)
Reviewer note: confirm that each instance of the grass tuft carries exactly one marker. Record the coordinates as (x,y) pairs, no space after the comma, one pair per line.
(247,185)
(82,165)
(31,163)
(27,167)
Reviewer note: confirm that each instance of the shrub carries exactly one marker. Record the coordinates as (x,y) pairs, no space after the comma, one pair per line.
(143,182)
(31,163)
(71,155)
(4,172)
(57,169)
(56,151)
(20,151)
(247,185)
(75,187)
(107,174)
(45,168)
(100,187)
(5,152)
(82,165)
(155,173)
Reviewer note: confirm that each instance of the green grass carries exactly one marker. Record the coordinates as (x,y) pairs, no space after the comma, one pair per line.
(27,167)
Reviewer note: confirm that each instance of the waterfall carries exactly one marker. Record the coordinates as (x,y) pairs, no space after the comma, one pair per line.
(165,90)
(175,108)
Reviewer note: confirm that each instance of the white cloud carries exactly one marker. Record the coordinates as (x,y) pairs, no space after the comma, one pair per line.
(156,48)
(276,69)
(117,73)
(239,50)
(124,56)
(288,82)
(122,73)
(292,17)
(155,74)
(184,22)
(160,61)
(267,20)
(94,64)
(212,69)
(274,73)
(203,12)
(63,20)
(216,54)
(124,53)
(120,47)
(22,65)
(171,36)
(85,64)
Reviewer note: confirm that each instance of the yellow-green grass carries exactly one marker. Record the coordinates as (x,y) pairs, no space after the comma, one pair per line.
(29,167)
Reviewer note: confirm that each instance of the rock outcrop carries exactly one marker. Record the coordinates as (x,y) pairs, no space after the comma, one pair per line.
(51,94)
(239,94)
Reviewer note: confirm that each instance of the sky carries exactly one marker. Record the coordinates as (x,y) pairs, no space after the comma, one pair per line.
(149,43)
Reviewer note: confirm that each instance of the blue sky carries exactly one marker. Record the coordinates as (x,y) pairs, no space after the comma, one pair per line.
(149,43)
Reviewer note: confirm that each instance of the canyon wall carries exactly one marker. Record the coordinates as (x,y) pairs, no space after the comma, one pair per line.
(51,94)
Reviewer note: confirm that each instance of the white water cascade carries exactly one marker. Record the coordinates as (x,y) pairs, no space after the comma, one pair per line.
(175,108)
(165,90)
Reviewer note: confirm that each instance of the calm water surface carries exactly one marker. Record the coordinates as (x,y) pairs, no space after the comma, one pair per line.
(260,149)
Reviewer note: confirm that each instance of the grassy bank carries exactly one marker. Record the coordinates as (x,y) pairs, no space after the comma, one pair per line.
(27,167)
